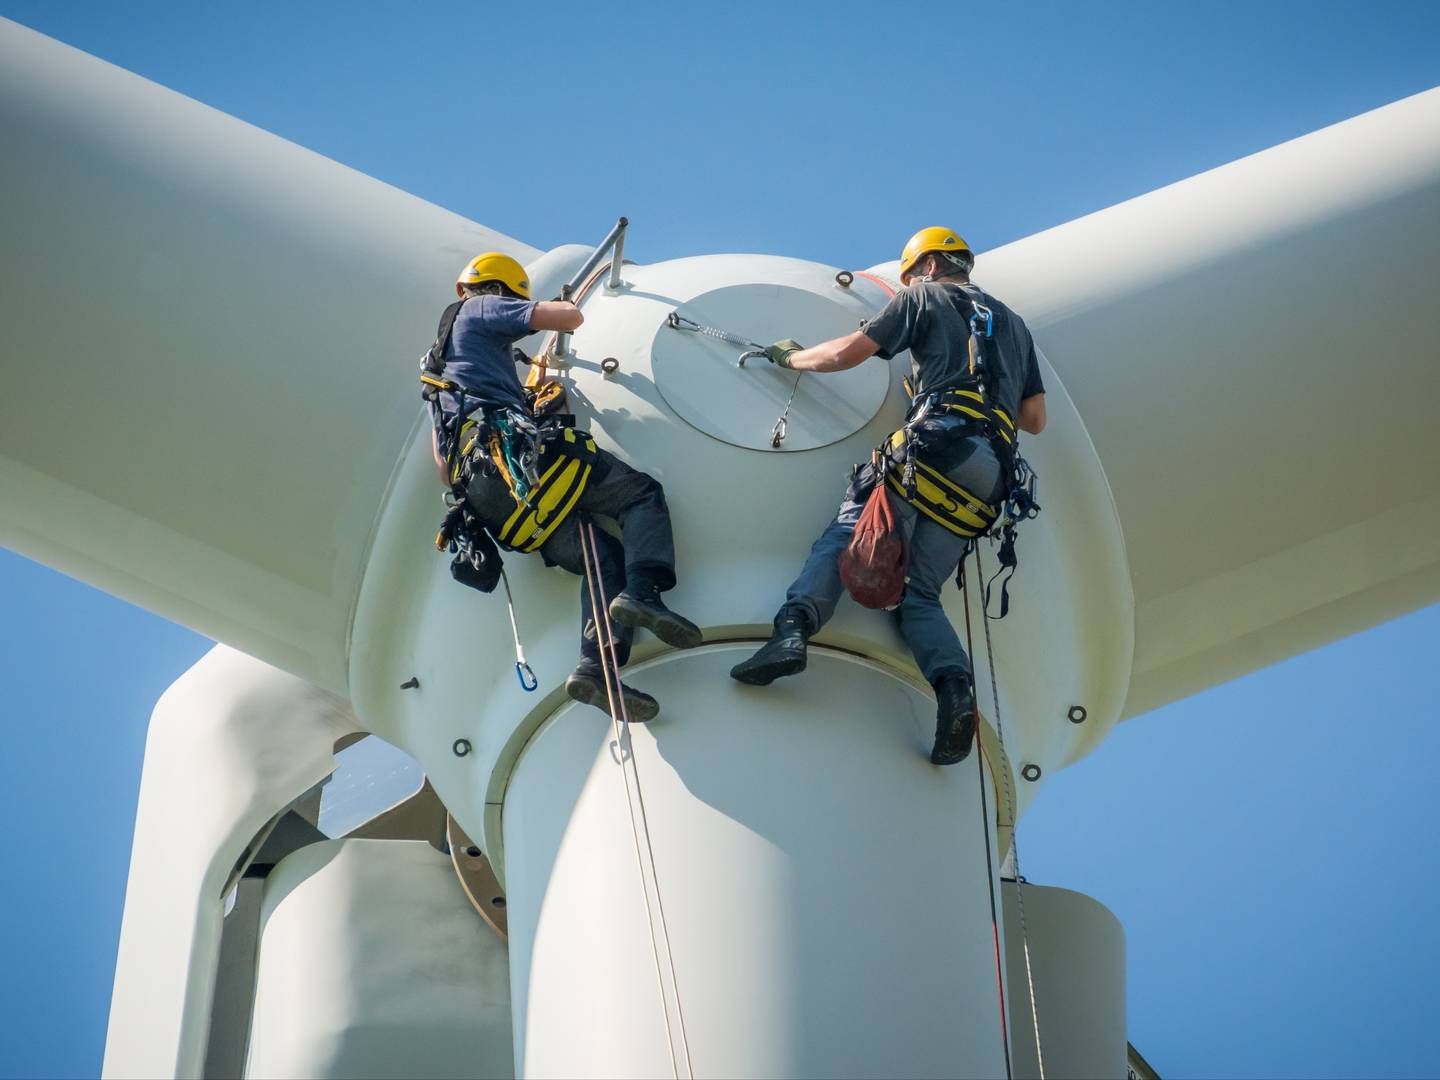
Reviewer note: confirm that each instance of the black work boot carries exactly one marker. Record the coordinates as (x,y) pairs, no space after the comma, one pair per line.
(783,654)
(639,606)
(586,684)
(954,719)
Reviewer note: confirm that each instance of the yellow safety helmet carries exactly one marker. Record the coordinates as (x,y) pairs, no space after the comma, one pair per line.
(496,266)
(935,238)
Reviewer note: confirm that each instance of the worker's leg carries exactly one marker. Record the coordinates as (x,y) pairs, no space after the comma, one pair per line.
(587,682)
(812,596)
(934,557)
(637,501)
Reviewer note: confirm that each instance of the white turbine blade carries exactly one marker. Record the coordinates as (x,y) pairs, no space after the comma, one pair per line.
(210,338)
(1254,353)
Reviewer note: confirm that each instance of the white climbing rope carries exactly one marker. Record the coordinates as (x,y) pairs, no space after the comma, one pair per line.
(1014,831)
(620,720)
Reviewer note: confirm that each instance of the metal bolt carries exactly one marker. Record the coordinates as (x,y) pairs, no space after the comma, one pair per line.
(1031,773)
(412,683)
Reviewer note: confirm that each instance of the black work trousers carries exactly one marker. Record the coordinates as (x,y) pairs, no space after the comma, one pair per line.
(634,500)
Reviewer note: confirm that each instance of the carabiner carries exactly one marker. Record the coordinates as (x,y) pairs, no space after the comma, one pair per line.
(778,432)
(528,682)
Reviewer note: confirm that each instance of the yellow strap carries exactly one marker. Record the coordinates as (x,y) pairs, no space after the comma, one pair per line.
(933,514)
(576,490)
(520,507)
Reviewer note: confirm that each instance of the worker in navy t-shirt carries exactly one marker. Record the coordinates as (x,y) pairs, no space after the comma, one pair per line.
(929,317)
(495,312)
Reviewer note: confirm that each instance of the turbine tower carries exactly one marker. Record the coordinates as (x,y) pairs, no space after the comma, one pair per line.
(760,882)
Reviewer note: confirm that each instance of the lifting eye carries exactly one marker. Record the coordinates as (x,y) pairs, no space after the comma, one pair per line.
(1077,714)
(460,747)
(609,365)
(1031,773)
(844,278)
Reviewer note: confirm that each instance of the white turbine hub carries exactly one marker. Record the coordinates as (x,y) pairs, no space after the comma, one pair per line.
(699,377)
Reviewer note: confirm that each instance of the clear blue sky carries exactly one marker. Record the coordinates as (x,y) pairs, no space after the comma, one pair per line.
(1267,844)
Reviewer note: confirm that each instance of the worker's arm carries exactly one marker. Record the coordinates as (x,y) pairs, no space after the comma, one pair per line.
(555,315)
(1032,414)
(838,354)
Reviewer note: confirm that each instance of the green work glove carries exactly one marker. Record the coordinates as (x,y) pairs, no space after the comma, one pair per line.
(780,353)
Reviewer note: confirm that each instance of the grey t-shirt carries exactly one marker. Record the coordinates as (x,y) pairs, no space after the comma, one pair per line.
(932,320)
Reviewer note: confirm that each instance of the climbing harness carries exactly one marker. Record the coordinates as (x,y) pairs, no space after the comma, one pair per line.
(676,321)
(753,349)
(949,504)
(985,820)
(523,672)
(620,721)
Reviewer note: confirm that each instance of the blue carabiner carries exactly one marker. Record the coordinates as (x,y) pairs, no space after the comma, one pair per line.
(528,681)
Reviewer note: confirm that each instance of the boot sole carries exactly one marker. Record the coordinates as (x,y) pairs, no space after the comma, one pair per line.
(588,692)
(765,673)
(955,746)
(670,628)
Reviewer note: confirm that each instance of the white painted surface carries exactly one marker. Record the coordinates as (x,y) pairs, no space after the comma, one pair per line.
(1077,965)
(209,352)
(373,964)
(744,521)
(231,743)
(824,886)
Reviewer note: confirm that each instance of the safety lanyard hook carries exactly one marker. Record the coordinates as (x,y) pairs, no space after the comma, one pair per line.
(528,682)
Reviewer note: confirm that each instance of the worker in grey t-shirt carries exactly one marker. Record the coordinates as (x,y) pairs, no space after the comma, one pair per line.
(930,317)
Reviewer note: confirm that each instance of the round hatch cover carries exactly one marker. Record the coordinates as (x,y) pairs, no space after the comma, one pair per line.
(700,379)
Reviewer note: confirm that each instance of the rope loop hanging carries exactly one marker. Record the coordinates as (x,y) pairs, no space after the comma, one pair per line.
(639,828)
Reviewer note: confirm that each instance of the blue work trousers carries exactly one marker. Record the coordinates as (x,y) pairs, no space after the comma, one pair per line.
(934,556)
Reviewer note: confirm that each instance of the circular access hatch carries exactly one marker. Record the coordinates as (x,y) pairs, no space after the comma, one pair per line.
(699,377)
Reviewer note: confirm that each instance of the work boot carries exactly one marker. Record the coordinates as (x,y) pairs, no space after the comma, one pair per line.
(954,719)
(586,684)
(639,606)
(783,654)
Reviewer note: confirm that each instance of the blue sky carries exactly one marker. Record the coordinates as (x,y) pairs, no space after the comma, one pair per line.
(1266,844)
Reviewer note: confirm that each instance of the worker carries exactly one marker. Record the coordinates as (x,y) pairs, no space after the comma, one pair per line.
(968,445)
(509,448)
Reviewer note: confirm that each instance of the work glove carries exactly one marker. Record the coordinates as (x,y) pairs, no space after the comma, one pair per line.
(779,354)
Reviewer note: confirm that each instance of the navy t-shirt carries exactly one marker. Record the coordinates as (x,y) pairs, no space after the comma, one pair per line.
(479,357)
(932,320)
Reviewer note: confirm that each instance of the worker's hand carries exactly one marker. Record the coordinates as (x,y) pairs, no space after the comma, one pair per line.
(780,353)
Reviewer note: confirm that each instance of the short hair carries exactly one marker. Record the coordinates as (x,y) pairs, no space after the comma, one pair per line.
(490,288)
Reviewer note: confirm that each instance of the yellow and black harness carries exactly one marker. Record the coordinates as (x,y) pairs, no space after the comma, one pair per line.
(940,499)
(544,462)
(930,491)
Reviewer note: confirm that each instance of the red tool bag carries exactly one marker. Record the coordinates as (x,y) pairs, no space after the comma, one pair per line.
(873,565)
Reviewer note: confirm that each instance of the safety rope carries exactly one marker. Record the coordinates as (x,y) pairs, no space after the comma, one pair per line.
(620,720)
(1010,799)
(528,682)
(985,829)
